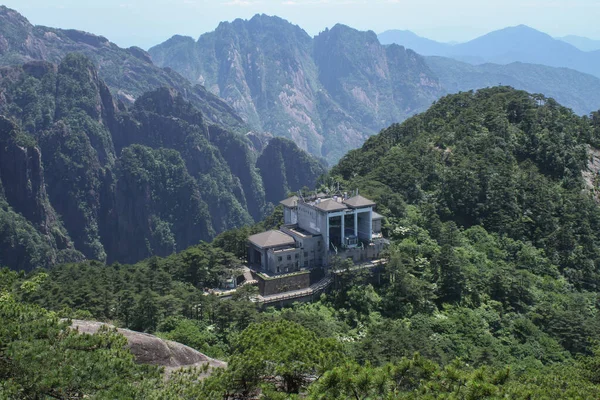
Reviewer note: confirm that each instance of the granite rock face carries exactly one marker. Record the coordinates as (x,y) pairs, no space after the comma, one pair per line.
(127,182)
(327,94)
(149,349)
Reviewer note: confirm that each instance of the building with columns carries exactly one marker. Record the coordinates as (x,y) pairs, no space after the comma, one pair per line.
(316,229)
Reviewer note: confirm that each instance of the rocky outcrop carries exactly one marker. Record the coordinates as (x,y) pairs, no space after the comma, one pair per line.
(285,168)
(149,349)
(22,175)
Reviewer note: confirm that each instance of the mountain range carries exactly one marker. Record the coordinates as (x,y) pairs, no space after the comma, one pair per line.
(513,44)
(106,155)
(330,92)
(327,93)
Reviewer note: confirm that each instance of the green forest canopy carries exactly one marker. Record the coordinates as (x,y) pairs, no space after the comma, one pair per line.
(490,290)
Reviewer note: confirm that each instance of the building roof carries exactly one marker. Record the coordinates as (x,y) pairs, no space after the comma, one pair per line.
(376,216)
(358,202)
(290,202)
(270,239)
(330,205)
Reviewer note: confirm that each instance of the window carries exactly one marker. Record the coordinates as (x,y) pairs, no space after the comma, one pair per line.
(289,257)
(297,256)
(278,269)
(279,258)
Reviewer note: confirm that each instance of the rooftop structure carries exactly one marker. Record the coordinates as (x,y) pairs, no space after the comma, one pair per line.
(271,239)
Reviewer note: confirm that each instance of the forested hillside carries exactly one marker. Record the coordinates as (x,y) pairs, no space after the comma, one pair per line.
(490,289)
(84,176)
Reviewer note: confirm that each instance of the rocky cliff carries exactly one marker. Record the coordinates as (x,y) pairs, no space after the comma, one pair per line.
(285,168)
(127,183)
(327,93)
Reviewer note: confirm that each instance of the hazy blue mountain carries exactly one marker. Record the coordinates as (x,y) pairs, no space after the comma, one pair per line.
(411,40)
(513,44)
(574,89)
(327,93)
(582,43)
(524,44)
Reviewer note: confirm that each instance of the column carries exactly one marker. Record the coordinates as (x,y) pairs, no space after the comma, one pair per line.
(326,236)
(355,223)
(370,215)
(342,217)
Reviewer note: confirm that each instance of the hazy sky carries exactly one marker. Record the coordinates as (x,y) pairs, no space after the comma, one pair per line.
(146,23)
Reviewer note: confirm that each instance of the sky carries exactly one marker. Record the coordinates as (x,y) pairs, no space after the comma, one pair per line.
(150,22)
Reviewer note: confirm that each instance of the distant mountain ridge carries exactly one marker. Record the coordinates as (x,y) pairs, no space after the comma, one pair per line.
(280,80)
(513,44)
(411,40)
(327,93)
(582,43)
(579,91)
(330,92)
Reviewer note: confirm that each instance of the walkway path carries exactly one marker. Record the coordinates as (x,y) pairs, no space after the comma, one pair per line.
(294,294)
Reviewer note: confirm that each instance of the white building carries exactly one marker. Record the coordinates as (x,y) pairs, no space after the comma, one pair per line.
(315,230)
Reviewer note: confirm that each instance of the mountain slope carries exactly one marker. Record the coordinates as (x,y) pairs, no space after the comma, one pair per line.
(128,72)
(579,91)
(304,174)
(283,81)
(500,158)
(127,184)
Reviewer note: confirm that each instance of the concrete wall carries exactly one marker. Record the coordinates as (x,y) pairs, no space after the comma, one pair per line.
(312,220)
(290,216)
(284,261)
(283,284)
(311,255)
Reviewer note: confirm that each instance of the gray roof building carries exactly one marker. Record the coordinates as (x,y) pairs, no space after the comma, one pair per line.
(315,229)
